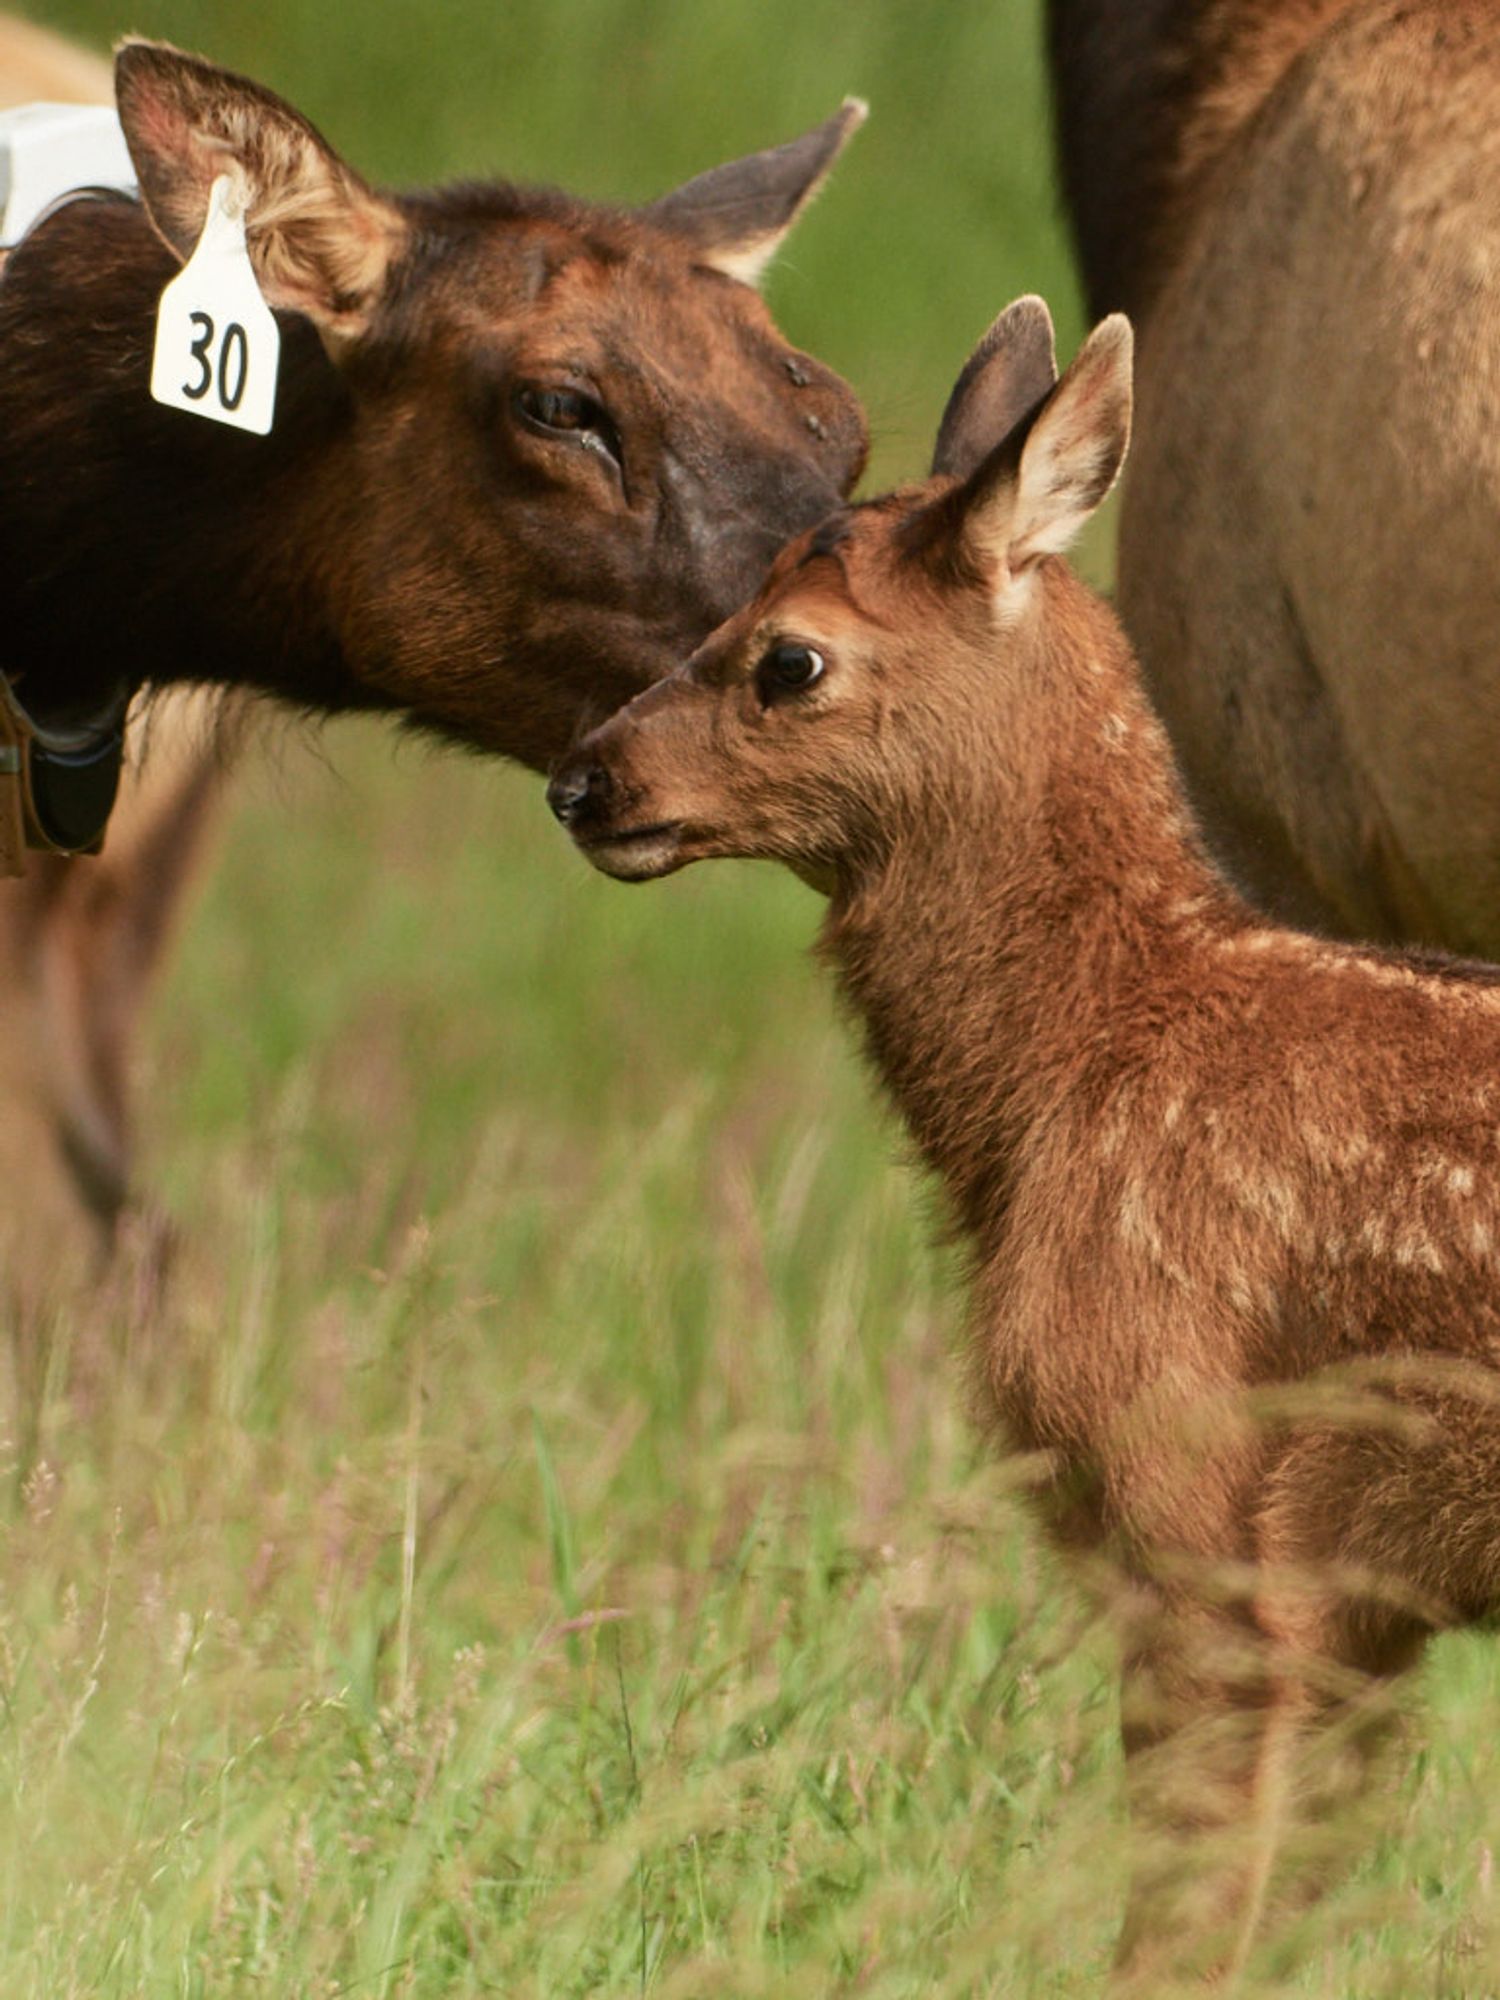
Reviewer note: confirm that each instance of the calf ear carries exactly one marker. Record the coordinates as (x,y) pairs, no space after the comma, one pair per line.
(1034,492)
(737,216)
(321,241)
(1007,378)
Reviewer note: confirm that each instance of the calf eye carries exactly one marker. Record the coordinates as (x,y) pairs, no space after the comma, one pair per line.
(567,413)
(787,668)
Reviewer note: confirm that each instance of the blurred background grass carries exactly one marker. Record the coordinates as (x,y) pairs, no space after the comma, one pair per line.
(538,1547)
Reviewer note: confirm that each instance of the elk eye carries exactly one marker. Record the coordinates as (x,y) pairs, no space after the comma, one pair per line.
(787,668)
(567,413)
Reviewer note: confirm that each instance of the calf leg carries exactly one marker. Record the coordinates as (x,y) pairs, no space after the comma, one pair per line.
(1206,1727)
(1244,1727)
(1252,1713)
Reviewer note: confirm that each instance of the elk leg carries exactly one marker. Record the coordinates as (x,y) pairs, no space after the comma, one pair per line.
(1241,1727)
(1207,1729)
(1244,1726)
(80,945)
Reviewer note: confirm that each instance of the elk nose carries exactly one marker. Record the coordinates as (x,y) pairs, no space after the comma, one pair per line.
(577,792)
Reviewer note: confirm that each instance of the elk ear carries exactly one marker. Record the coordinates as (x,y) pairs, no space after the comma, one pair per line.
(321,241)
(1006,379)
(1034,492)
(737,216)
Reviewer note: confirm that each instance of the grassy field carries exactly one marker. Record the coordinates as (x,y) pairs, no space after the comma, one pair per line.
(538,1549)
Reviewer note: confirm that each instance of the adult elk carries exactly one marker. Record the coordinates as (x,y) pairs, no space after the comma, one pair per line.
(1298,201)
(527,450)
(1232,1192)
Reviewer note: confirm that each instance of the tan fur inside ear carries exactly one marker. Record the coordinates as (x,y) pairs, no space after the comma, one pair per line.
(736,217)
(324,245)
(321,241)
(1035,490)
(1075,449)
(749,261)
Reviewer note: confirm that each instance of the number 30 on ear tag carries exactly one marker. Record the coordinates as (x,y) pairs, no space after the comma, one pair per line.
(217,342)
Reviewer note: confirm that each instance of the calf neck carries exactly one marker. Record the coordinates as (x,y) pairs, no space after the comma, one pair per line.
(1206,1166)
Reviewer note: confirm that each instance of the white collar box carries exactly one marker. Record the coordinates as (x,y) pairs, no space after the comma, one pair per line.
(49,151)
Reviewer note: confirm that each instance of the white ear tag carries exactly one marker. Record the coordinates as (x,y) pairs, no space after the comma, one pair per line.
(217,341)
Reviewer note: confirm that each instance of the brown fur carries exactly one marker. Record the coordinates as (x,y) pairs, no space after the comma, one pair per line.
(403,541)
(1149,96)
(1307,223)
(1231,1192)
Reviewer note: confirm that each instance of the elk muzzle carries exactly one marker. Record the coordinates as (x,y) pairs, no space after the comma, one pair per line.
(596,811)
(579,792)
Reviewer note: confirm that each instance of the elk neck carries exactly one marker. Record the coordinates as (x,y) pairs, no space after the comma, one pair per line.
(1147,97)
(198,546)
(1023,937)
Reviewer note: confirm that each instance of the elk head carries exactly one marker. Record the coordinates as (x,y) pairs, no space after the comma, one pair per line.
(528,450)
(890,667)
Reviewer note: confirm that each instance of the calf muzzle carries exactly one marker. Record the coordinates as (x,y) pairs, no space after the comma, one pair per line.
(578,793)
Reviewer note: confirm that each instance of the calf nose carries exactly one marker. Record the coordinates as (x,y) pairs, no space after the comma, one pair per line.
(577,792)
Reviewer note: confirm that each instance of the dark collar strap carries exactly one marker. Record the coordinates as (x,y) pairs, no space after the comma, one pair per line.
(57,781)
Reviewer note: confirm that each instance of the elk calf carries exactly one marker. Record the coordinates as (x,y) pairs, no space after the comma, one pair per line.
(1205,1164)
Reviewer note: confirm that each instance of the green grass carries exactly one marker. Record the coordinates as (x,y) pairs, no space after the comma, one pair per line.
(538,1547)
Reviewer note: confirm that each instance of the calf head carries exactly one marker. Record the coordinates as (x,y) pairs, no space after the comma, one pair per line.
(527,452)
(892,667)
